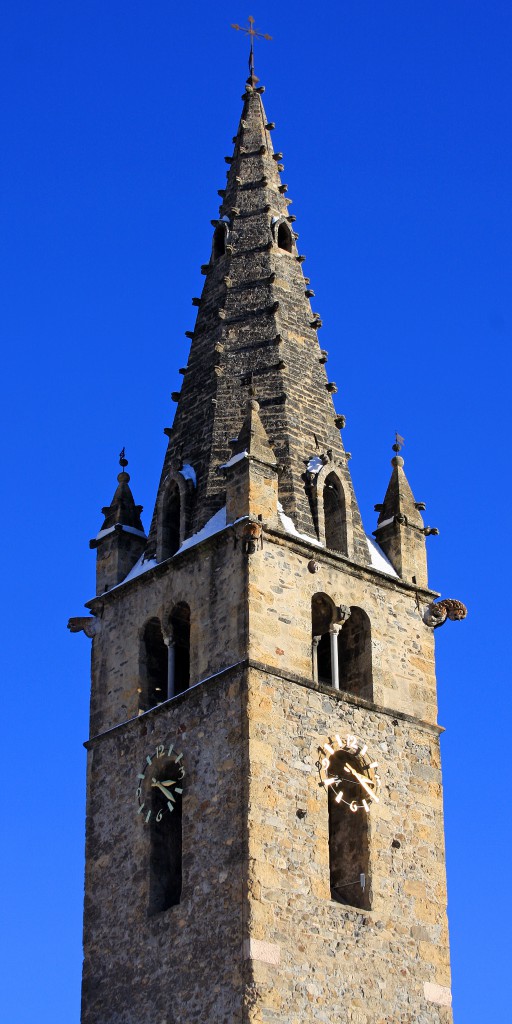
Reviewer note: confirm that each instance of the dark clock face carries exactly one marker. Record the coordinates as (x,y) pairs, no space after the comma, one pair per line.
(160,782)
(349,772)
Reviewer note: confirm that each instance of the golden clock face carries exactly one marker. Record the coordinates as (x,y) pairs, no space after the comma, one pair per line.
(348,770)
(160,783)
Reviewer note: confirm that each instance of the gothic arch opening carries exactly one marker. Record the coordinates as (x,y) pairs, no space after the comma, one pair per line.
(284,237)
(171,521)
(349,859)
(153,668)
(180,634)
(355,655)
(335,517)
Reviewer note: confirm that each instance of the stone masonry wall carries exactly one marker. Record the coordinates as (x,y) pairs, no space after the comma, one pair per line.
(314,959)
(211,580)
(182,966)
(280,593)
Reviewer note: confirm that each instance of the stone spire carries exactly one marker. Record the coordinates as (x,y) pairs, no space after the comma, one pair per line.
(255,329)
(122,539)
(400,529)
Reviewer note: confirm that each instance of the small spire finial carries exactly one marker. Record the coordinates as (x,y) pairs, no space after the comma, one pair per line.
(253,34)
(399,443)
(123,476)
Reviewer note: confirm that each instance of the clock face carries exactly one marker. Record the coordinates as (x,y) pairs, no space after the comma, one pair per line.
(160,782)
(349,771)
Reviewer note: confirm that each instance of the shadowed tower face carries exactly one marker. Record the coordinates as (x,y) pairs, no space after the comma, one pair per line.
(264,817)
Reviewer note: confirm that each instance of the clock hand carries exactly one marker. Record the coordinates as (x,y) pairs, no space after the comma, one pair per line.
(361,779)
(161,787)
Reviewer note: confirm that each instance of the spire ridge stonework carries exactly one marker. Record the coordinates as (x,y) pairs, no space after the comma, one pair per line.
(255,325)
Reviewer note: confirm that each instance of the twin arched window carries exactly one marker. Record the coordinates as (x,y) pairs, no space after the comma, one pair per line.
(165,662)
(342,654)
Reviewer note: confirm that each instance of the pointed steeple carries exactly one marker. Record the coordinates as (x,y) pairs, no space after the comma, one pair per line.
(122,539)
(255,329)
(400,529)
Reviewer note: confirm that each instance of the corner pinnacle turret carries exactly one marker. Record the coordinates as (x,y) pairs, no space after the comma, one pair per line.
(400,529)
(121,539)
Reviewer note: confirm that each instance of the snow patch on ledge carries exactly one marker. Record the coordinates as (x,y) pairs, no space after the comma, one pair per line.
(385,522)
(290,527)
(188,473)
(234,459)
(126,529)
(214,525)
(378,559)
(315,464)
(139,567)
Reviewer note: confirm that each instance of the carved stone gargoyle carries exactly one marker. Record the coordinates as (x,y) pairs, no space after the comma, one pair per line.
(439,611)
(84,624)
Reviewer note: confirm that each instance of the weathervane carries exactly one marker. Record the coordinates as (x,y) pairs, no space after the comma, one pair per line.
(253,34)
(399,442)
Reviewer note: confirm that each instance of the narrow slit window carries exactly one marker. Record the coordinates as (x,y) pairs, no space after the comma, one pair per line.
(219,241)
(284,237)
(335,515)
(165,825)
(349,862)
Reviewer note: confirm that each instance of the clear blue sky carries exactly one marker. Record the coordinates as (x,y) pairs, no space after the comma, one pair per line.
(395,123)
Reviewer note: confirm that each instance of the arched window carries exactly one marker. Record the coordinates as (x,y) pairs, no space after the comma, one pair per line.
(335,519)
(355,655)
(342,649)
(219,241)
(322,617)
(154,660)
(171,521)
(284,237)
(349,860)
(165,862)
(179,673)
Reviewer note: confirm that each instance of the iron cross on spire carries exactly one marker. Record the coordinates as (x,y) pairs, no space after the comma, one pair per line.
(253,34)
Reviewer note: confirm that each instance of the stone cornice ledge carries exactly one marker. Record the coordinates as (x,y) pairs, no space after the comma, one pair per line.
(335,558)
(342,696)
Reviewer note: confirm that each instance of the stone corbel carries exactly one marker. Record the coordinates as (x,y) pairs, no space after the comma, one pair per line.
(438,612)
(342,613)
(250,534)
(84,624)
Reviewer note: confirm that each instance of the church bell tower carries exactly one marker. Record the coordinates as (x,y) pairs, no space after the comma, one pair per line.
(264,802)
